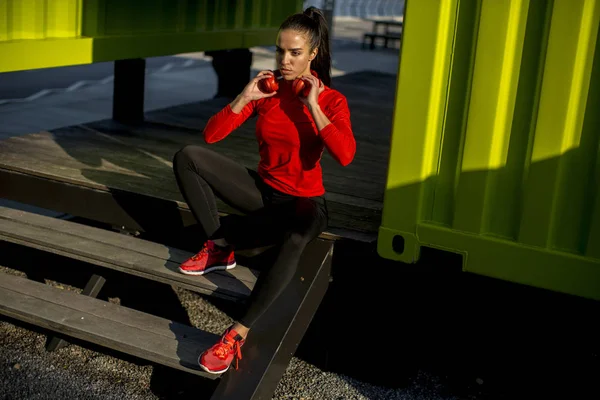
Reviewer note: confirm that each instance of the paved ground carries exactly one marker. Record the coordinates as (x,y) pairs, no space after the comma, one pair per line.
(170,81)
(23,84)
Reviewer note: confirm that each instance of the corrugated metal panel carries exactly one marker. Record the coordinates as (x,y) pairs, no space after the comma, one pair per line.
(35,19)
(496,140)
(50,33)
(118,17)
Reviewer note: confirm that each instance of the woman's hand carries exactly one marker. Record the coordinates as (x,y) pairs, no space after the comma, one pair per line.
(252,92)
(312,101)
(316,88)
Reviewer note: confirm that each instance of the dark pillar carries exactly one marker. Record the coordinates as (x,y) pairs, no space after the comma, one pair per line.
(233,70)
(128,92)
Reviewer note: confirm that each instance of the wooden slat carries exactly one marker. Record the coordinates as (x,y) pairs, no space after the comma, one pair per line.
(123,242)
(345,213)
(133,158)
(364,217)
(101,162)
(94,179)
(129,331)
(117,251)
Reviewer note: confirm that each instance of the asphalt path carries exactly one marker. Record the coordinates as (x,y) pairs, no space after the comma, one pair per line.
(22,84)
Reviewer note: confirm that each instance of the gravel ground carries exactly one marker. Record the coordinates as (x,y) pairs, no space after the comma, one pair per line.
(28,371)
(512,343)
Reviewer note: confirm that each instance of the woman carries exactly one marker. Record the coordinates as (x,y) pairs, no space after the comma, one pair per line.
(283,201)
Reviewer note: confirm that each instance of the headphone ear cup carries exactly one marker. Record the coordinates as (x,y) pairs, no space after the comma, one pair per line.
(298,86)
(268,85)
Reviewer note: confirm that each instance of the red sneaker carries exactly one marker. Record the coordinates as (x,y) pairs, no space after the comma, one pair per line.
(210,258)
(218,358)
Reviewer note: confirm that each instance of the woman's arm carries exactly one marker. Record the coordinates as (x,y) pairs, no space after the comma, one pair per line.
(237,112)
(227,120)
(334,126)
(239,103)
(336,130)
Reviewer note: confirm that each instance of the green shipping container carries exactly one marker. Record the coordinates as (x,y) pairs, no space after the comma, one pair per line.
(52,33)
(495,150)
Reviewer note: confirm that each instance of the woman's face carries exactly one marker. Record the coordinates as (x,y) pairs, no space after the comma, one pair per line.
(293,54)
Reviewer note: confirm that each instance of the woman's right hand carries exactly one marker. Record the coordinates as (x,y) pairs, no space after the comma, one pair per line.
(252,92)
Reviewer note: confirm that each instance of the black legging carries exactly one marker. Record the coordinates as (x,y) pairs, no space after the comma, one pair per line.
(270,216)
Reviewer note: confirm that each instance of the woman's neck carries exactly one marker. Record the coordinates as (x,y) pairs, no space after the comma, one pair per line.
(306,72)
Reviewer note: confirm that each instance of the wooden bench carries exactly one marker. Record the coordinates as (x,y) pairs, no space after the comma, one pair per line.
(103,323)
(120,252)
(387,35)
(155,339)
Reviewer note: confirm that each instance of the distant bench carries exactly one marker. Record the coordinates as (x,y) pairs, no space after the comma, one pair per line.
(387,36)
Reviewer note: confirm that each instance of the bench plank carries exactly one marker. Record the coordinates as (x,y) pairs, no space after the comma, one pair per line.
(129,331)
(237,146)
(143,154)
(350,211)
(121,252)
(44,158)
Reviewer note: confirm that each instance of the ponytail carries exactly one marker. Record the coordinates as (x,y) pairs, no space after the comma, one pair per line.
(313,23)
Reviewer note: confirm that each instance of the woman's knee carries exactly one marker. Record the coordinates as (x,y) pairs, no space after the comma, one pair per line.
(181,157)
(298,240)
(185,154)
(191,156)
(300,236)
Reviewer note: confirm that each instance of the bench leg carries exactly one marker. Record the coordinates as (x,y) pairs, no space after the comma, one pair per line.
(126,231)
(92,288)
(274,338)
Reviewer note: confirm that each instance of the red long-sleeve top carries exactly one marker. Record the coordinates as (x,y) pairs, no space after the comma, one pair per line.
(290,145)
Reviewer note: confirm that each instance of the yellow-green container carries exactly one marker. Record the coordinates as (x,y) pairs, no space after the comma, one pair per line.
(51,33)
(495,150)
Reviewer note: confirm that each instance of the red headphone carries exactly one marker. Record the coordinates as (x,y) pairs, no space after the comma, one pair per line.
(271,84)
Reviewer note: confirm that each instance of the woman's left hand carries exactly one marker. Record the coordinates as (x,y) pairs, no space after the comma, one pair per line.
(316,88)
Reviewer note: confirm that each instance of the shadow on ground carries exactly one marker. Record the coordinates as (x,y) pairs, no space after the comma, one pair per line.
(481,338)
(384,321)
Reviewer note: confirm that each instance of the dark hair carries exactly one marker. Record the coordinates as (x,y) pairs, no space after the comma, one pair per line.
(313,23)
